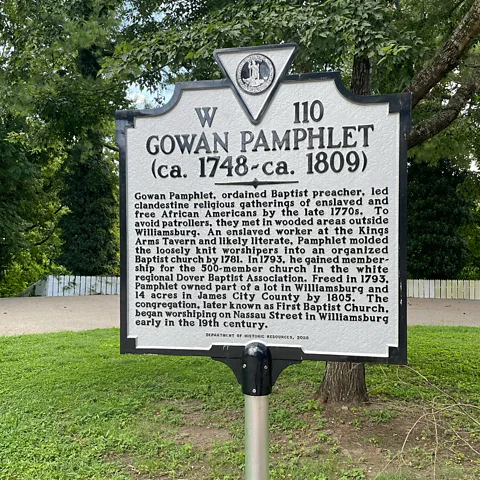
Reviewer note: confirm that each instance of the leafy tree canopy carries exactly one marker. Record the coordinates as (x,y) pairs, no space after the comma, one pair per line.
(51,98)
(428,48)
(437,211)
(27,192)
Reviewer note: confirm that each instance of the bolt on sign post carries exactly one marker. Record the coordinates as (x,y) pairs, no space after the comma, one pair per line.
(263,222)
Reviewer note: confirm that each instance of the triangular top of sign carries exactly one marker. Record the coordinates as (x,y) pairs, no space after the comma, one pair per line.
(254,74)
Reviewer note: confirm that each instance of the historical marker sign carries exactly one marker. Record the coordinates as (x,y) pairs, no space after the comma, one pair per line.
(267,207)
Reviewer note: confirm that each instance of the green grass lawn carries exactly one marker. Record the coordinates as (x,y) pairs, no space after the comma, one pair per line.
(71,407)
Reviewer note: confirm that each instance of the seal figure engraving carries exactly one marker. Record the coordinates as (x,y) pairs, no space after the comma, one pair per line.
(255,73)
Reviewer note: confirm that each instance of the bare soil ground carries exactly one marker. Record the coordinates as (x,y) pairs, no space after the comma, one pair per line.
(394,439)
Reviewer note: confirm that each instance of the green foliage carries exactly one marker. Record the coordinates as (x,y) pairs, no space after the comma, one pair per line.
(170,40)
(471,190)
(380,416)
(28,201)
(19,179)
(437,211)
(471,232)
(179,43)
(30,265)
(354,474)
(89,242)
(167,41)
(50,98)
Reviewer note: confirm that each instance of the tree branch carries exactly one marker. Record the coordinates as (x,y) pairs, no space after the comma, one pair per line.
(449,55)
(441,120)
(48,237)
(35,225)
(110,147)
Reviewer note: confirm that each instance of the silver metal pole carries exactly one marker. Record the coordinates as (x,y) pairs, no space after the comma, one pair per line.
(256,438)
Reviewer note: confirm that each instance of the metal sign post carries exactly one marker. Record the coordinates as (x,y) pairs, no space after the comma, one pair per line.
(263,223)
(256,438)
(256,386)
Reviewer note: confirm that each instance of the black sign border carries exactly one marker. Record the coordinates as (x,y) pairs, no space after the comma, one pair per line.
(281,356)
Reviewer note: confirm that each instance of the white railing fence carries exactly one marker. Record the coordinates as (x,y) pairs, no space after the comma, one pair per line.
(453,289)
(73,285)
(70,285)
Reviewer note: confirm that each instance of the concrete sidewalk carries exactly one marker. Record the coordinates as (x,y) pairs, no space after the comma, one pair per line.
(53,314)
(427,311)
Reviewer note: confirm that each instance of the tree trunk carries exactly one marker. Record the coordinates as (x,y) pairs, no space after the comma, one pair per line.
(361,76)
(345,382)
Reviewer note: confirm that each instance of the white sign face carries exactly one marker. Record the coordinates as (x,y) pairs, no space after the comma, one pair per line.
(266,208)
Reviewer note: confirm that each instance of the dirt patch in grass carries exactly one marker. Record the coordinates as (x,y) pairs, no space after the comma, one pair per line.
(197,471)
(386,437)
(201,428)
(202,436)
(389,440)
(386,440)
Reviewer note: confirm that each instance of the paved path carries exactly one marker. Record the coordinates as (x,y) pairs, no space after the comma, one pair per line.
(53,314)
(423,311)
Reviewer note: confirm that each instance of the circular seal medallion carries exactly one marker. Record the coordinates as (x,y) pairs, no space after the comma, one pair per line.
(255,73)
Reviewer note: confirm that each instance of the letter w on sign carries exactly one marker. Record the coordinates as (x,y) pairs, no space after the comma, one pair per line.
(204,115)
